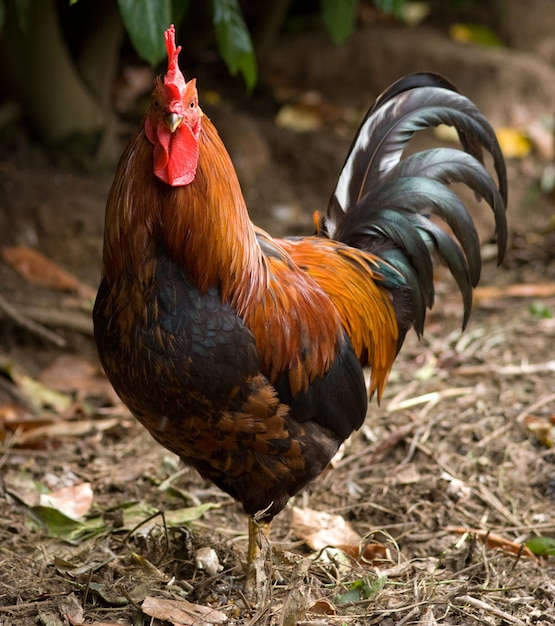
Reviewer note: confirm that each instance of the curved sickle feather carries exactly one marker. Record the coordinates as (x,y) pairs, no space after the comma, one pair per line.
(414,103)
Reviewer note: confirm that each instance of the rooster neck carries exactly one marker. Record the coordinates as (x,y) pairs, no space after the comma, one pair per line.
(204,226)
(207,230)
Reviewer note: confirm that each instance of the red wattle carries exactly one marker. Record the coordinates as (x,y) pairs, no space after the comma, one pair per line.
(175,155)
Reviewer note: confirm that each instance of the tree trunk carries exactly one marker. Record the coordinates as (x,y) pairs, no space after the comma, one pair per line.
(43,76)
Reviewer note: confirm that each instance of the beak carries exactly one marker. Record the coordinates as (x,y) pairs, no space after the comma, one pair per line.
(173,120)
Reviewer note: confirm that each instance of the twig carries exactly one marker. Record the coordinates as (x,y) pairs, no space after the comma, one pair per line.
(422,433)
(434,396)
(489,498)
(388,444)
(33,327)
(72,320)
(509,370)
(530,409)
(484,606)
(145,521)
(538,290)
(518,419)
(412,613)
(14,608)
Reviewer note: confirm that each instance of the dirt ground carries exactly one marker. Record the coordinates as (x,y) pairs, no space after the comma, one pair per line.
(447,479)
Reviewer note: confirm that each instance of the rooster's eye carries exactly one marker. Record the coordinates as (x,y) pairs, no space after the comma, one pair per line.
(192,104)
(155,104)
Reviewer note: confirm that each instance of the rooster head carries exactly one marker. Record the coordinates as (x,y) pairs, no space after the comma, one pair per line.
(173,121)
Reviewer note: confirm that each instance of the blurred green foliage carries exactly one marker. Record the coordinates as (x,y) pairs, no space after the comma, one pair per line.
(146,20)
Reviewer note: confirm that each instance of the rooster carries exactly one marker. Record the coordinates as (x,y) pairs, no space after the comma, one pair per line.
(244,354)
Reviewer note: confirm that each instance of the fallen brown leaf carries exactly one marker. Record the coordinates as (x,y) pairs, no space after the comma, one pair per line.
(182,612)
(323,607)
(542,429)
(319,529)
(36,432)
(40,270)
(79,375)
(74,501)
(371,553)
(74,623)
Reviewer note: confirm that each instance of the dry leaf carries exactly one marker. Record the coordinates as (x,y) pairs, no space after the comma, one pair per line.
(80,375)
(299,118)
(492,541)
(407,475)
(319,529)
(22,485)
(149,568)
(11,413)
(40,396)
(414,12)
(40,270)
(73,623)
(181,612)
(514,143)
(71,609)
(74,502)
(36,433)
(372,553)
(541,135)
(323,607)
(542,429)
(206,558)
(13,422)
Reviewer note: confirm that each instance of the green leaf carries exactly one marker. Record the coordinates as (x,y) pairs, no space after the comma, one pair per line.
(135,513)
(475,33)
(146,21)
(40,396)
(541,310)
(73,531)
(391,7)
(63,527)
(234,40)
(180,517)
(361,589)
(541,546)
(350,596)
(339,17)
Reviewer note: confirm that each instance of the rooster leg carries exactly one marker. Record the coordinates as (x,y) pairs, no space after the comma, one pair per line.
(258,576)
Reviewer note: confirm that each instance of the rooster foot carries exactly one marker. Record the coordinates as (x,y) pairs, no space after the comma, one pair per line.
(259,562)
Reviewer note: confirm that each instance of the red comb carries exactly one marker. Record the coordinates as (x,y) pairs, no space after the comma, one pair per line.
(173,79)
